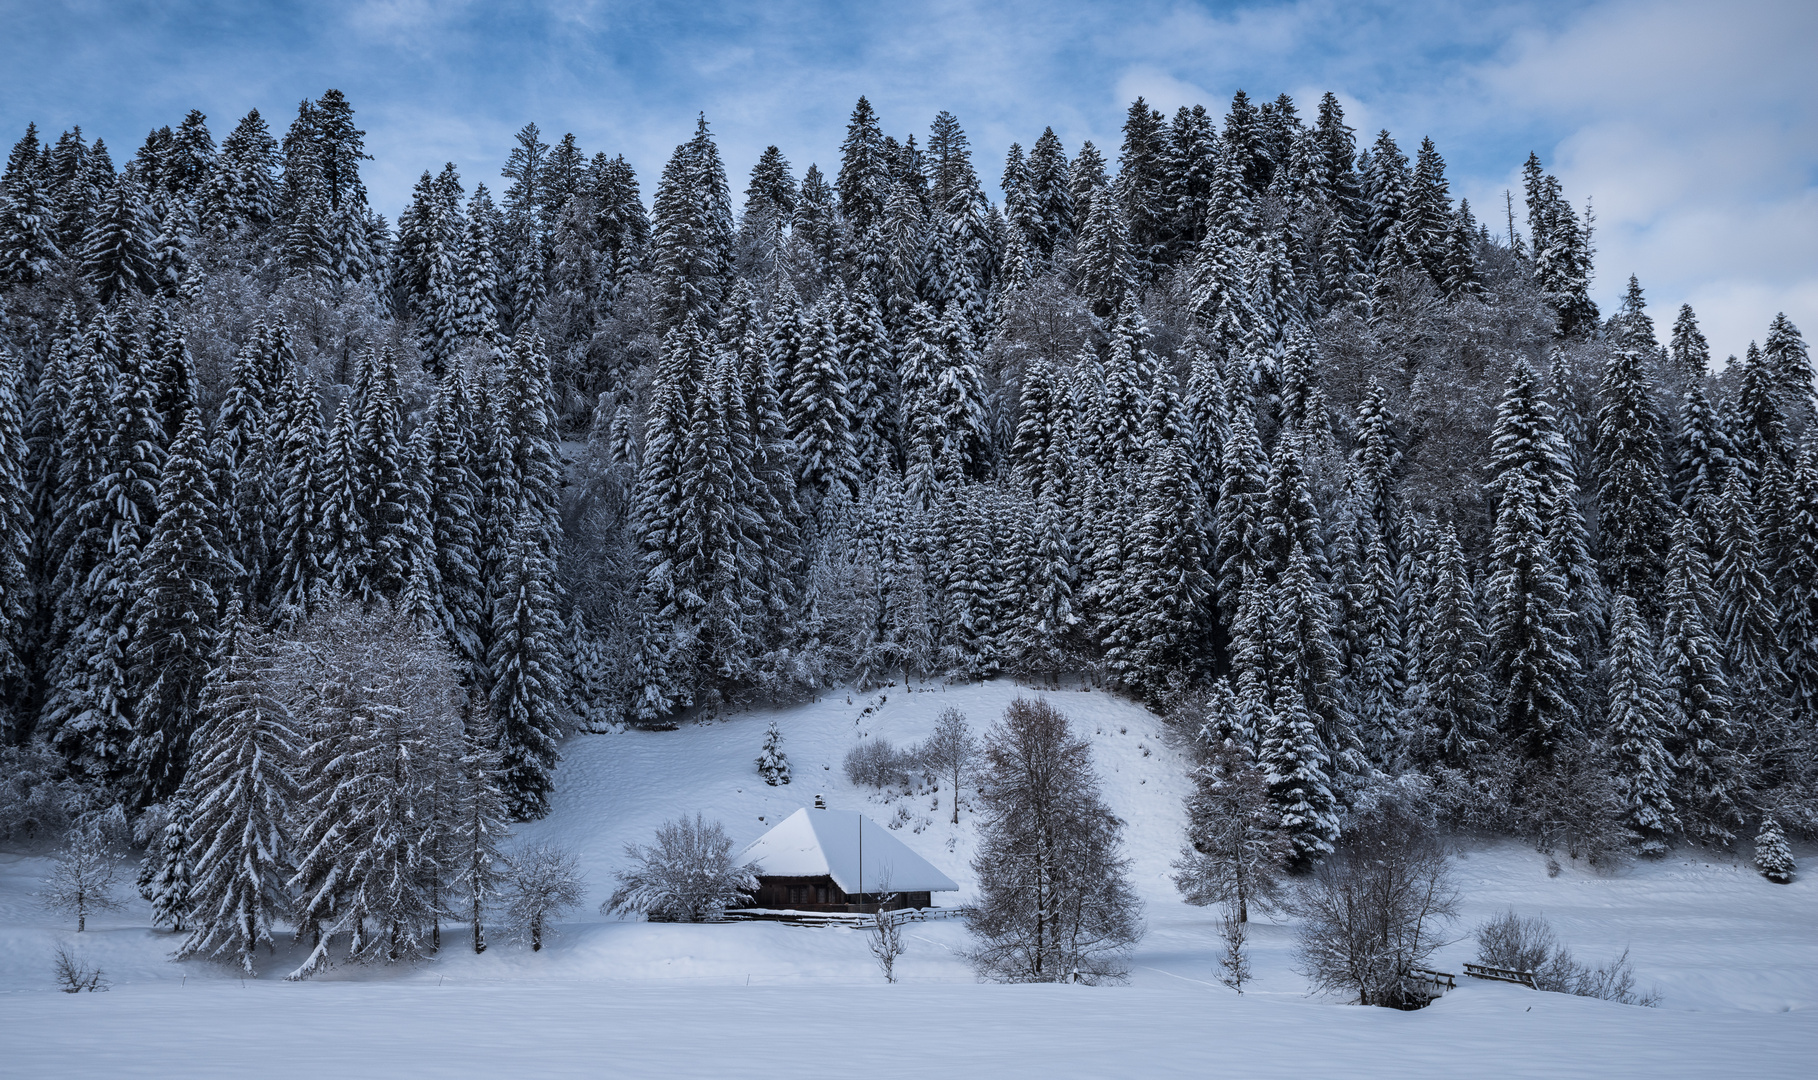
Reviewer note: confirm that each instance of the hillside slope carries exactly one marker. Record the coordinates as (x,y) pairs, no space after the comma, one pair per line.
(1735,958)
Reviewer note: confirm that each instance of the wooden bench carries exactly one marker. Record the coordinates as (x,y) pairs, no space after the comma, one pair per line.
(1485,971)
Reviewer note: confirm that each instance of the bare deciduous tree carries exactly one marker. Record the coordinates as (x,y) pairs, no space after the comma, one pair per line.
(688,875)
(73,976)
(1054,900)
(545,884)
(1374,909)
(1234,962)
(886,934)
(83,881)
(951,752)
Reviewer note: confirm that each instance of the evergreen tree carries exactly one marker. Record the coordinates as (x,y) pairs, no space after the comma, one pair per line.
(28,243)
(1643,770)
(1786,356)
(116,254)
(772,764)
(692,235)
(1532,660)
(16,533)
(91,698)
(1701,739)
(1688,353)
(1457,693)
(1103,258)
(174,618)
(526,674)
(382,482)
(298,550)
(1158,631)
(1297,770)
(479,824)
(164,876)
(1773,855)
(821,416)
(1142,182)
(241,787)
(1632,499)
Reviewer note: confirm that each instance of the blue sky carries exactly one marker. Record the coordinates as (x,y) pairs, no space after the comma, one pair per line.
(1693,126)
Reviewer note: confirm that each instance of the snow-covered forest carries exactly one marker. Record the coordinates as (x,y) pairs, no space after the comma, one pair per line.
(320,531)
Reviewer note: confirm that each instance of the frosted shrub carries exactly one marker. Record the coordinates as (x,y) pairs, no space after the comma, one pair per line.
(688,875)
(73,976)
(876,764)
(83,881)
(1527,943)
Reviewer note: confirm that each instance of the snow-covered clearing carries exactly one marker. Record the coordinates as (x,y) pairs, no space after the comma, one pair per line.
(1735,958)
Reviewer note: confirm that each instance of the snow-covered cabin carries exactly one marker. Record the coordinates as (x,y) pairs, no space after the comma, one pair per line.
(839,860)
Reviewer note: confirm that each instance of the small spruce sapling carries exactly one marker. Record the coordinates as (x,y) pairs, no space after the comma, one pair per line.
(1773,855)
(83,881)
(545,884)
(772,763)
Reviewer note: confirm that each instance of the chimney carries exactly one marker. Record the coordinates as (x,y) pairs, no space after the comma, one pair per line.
(820,803)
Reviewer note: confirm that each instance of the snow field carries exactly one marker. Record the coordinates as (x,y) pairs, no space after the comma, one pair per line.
(1736,958)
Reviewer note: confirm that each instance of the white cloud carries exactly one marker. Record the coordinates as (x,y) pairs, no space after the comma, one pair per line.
(1694,128)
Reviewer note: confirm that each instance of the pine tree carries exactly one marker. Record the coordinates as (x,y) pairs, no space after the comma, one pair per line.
(1786,356)
(1142,181)
(1042,637)
(1532,660)
(1632,498)
(821,416)
(1773,855)
(174,618)
(1103,259)
(241,788)
(1701,741)
(372,828)
(525,671)
(1242,555)
(1158,633)
(164,876)
(863,169)
(382,483)
(16,534)
(1643,770)
(772,764)
(1297,771)
(692,236)
(116,256)
(1457,693)
(1745,617)
(479,824)
(28,243)
(1380,678)
(91,698)
(297,550)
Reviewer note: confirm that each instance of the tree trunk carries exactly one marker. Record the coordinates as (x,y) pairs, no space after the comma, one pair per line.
(536,935)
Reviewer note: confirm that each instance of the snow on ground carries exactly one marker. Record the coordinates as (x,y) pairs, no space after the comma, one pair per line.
(1734,957)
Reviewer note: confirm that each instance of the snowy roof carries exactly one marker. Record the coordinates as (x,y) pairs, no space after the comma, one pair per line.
(809,843)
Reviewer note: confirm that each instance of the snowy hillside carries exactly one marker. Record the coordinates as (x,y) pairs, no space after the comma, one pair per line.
(1736,959)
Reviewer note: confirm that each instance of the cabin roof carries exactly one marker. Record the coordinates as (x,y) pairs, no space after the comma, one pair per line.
(810,843)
